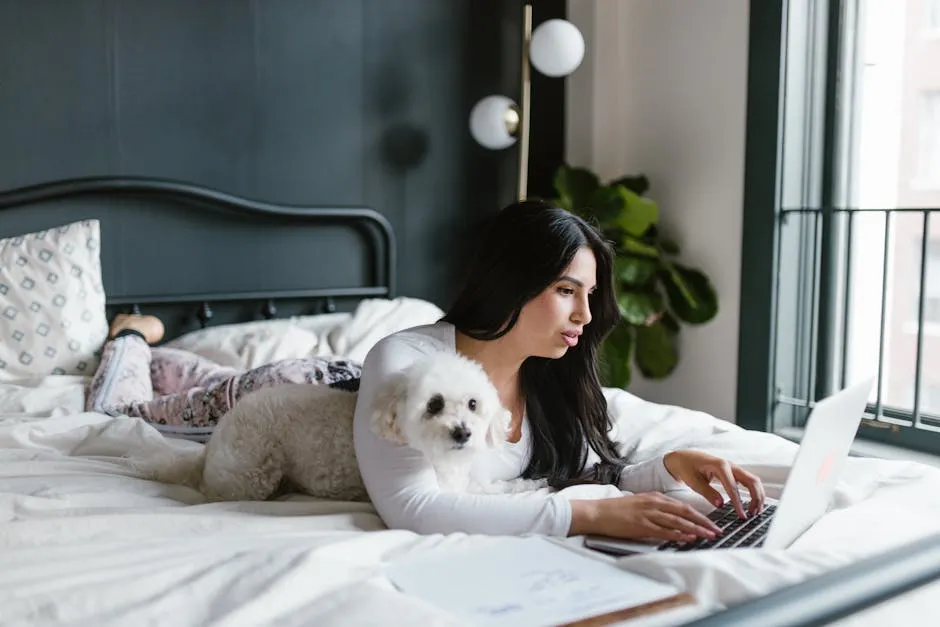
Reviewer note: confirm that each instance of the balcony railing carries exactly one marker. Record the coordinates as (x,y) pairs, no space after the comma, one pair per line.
(826,253)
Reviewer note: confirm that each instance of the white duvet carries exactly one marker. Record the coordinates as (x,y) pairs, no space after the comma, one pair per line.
(85,540)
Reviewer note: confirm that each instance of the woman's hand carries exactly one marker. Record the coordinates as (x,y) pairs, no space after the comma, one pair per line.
(639,517)
(698,470)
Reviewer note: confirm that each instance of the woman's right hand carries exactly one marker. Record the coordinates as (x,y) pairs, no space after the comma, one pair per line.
(649,515)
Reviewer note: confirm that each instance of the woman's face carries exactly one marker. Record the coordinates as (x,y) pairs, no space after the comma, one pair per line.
(552,322)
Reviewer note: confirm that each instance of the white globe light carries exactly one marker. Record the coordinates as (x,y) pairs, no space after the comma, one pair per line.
(557,48)
(490,122)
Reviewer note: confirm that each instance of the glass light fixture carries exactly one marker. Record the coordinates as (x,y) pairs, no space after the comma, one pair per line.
(555,49)
(494,121)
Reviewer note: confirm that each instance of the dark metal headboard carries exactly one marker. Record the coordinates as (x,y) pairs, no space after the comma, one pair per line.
(195,255)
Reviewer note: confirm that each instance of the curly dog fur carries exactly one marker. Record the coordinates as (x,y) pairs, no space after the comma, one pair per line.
(300,436)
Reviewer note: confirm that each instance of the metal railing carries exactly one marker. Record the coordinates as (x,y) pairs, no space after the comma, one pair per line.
(830,308)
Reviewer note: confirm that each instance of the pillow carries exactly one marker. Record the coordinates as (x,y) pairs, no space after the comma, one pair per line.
(249,345)
(376,318)
(52,302)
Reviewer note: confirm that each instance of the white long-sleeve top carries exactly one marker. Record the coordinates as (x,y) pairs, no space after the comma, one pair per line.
(403,486)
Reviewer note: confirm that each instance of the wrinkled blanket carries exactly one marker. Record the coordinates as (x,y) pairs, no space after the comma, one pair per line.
(85,540)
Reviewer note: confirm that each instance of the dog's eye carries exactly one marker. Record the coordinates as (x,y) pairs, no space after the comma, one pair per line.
(472,404)
(435,405)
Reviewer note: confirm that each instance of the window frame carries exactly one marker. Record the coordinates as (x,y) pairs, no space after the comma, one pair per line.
(755,393)
(786,107)
(776,390)
(928,141)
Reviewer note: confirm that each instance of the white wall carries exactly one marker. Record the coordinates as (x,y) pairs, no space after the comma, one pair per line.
(662,90)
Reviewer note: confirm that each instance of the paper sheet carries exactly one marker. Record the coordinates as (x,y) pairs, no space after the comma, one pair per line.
(523,581)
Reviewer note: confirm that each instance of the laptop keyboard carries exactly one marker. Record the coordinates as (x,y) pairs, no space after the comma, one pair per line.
(736,532)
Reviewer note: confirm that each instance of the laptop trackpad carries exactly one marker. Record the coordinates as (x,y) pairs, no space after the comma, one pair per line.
(613,546)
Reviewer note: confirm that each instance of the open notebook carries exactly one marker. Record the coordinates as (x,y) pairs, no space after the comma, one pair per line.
(530,581)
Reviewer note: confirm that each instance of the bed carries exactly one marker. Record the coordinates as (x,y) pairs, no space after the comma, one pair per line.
(87,540)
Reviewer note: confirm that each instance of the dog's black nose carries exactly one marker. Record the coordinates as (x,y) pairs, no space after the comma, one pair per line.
(460,434)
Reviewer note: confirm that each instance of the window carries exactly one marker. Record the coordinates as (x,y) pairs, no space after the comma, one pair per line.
(929,398)
(931,285)
(929,138)
(837,286)
(932,15)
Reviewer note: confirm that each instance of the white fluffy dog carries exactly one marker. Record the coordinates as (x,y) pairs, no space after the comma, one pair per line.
(300,436)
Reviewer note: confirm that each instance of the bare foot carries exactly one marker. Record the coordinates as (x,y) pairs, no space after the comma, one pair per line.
(150,326)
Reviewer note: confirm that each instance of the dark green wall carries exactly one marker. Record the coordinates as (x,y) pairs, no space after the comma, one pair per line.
(326,102)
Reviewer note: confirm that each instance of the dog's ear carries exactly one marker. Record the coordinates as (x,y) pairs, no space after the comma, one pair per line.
(385,408)
(498,430)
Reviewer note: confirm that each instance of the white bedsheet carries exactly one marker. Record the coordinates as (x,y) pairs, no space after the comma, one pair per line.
(84,540)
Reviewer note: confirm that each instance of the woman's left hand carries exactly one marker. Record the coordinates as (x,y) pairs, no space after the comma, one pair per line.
(698,470)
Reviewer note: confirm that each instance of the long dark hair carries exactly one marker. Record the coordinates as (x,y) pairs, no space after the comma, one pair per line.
(526,249)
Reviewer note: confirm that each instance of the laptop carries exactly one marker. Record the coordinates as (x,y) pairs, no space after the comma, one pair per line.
(830,431)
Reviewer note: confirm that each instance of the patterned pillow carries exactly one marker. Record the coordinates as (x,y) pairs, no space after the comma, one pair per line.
(52,302)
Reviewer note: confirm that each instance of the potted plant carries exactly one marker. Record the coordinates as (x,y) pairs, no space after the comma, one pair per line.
(655,293)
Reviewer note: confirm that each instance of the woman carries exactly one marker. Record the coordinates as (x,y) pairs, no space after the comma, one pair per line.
(538,302)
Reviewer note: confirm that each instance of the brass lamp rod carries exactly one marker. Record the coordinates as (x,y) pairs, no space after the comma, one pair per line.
(524,113)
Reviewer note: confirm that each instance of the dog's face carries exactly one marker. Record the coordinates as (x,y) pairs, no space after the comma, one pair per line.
(444,404)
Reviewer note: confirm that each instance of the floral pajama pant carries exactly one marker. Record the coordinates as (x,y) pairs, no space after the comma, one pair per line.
(185,392)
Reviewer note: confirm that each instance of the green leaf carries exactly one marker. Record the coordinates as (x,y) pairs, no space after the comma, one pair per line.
(692,297)
(575,186)
(674,279)
(640,307)
(565,204)
(669,321)
(635,271)
(616,206)
(656,352)
(615,356)
(637,183)
(668,246)
(640,213)
(608,204)
(637,247)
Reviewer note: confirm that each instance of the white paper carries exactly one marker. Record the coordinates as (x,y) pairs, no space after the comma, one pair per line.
(523,581)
